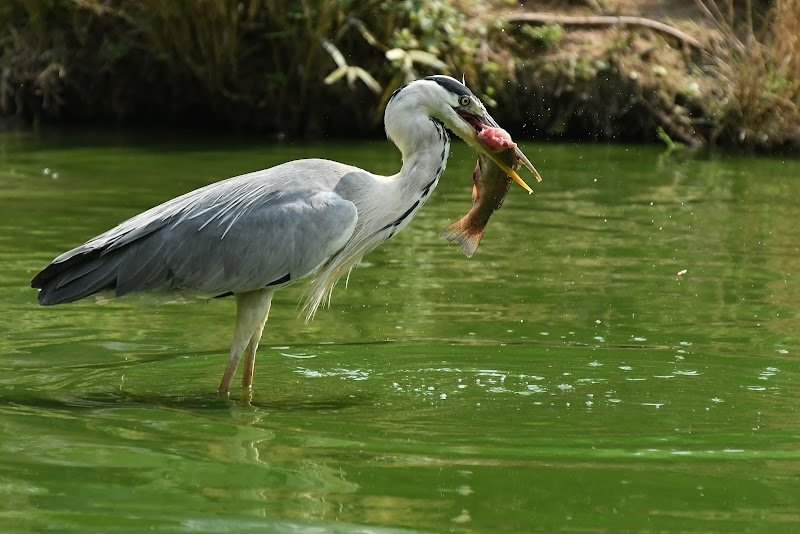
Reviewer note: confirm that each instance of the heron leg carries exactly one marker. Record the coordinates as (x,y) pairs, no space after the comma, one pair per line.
(251,312)
(250,354)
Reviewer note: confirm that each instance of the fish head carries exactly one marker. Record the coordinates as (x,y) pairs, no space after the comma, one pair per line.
(473,128)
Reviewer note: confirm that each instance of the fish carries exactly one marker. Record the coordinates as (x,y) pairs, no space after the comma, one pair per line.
(490,186)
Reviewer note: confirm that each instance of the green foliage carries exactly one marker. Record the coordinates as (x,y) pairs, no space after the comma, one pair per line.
(431,24)
(439,36)
(264,64)
(671,146)
(547,35)
(305,67)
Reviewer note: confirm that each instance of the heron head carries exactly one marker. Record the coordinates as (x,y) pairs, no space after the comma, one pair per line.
(451,102)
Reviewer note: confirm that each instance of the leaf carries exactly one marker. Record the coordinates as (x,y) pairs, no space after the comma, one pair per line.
(395,54)
(353,74)
(337,56)
(336,75)
(365,33)
(351,77)
(368,80)
(426,58)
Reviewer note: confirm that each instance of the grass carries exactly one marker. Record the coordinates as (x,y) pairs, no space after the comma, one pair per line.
(756,63)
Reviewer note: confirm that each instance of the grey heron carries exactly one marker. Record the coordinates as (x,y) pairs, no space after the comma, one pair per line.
(253,234)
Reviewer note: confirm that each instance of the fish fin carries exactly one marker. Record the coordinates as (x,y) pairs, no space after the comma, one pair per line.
(467,238)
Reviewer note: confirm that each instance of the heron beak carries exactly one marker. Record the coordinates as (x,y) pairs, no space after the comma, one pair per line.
(508,170)
(472,124)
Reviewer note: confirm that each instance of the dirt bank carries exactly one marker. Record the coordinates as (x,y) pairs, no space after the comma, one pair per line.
(686,71)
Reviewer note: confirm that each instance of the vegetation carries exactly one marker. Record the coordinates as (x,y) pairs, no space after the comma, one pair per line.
(314,67)
(756,65)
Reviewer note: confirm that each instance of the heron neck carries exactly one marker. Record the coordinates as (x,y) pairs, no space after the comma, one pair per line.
(425,150)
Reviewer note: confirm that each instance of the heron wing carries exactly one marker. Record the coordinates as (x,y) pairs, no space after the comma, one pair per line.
(266,228)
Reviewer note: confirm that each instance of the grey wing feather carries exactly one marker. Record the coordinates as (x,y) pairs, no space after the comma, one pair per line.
(291,236)
(242,234)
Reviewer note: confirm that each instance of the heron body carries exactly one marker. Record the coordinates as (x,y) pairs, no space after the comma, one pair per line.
(253,234)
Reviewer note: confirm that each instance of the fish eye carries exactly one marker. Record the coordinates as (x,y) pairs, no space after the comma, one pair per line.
(463,100)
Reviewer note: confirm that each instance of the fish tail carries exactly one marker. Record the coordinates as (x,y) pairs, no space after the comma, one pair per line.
(468,238)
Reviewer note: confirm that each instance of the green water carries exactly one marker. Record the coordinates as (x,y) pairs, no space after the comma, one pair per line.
(621,355)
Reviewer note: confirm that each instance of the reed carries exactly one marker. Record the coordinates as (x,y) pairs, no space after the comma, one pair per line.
(756,66)
(256,64)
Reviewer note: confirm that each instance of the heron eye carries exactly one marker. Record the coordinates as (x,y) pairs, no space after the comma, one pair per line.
(464,100)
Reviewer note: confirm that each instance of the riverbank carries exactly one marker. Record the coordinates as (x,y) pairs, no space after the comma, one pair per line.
(689,72)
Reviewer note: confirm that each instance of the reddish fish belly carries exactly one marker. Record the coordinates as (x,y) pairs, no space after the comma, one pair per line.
(489,190)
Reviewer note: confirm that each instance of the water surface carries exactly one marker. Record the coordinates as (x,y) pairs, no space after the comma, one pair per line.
(619,356)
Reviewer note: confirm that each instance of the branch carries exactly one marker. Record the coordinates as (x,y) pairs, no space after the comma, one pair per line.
(597,20)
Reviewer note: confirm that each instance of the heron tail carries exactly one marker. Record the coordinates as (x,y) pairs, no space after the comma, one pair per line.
(76,277)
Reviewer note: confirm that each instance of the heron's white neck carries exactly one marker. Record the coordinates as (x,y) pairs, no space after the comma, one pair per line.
(384,211)
(425,145)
